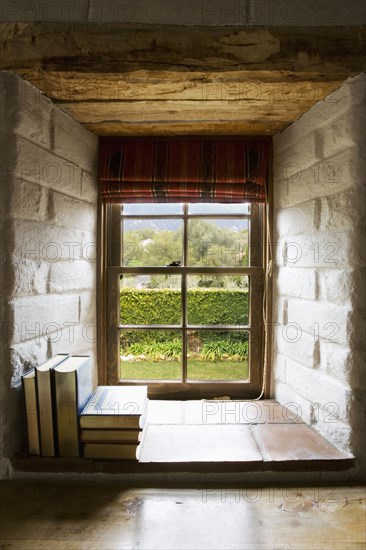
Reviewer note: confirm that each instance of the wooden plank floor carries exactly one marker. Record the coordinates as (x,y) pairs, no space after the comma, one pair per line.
(102,516)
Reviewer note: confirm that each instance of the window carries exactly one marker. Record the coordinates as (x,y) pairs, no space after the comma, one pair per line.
(184,294)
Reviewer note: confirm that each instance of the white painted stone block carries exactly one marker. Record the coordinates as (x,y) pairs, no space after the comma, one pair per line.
(341,132)
(72,276)
(280,306)
(76,339)
(330,322)
(295,154)
(344,210)
(25,356)
(73,142)
(297,220)
(26,110)
(88,306)
(336,285)
(321,250)
(288,397)
(296,282)
(30,277)
(41,318)
(73,213)
(28,201)
(325,177)
(47,243)
(336,360)
(40,166)
(280,368)
(89,186)
(319,388)
(281,188)
(34,118)
(293,342)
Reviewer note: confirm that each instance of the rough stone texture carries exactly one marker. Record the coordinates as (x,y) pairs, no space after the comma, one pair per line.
(302,285)
(319,306)
(72,276)
(48,221)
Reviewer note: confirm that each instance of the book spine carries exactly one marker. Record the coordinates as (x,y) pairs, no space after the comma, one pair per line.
(46,412)
(31,415)
(66,413)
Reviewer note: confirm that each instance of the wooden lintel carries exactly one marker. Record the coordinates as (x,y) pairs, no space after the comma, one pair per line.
(126,79)
(259,86)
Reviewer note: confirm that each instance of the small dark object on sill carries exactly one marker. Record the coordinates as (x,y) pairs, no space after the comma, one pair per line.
(176,263)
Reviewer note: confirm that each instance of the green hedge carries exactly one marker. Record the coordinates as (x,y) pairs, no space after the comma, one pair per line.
(205,307)
(208,307)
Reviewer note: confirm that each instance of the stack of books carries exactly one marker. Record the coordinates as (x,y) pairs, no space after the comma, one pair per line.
(112,422)
(55,393)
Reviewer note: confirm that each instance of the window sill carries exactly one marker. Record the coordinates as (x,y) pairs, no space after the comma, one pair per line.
(224,437)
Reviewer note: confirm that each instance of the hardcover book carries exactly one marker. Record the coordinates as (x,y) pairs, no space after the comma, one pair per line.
(45,390)
(73,388)
(111,451)
(31,412)
(112,407)
(111,436)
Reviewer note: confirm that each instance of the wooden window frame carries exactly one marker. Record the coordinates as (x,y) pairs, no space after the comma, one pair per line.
(108,328)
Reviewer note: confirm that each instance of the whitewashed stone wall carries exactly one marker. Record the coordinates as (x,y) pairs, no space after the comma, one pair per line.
(319,277)
(48,256)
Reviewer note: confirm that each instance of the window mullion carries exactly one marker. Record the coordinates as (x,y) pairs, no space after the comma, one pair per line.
(184,294)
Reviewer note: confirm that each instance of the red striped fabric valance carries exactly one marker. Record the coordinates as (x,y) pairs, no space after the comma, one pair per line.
(183,170)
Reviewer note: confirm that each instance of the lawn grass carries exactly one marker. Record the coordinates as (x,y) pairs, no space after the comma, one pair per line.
(197,370)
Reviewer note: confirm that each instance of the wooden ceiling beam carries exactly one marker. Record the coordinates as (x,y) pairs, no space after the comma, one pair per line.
(122,47)
(260,86)
(127,79)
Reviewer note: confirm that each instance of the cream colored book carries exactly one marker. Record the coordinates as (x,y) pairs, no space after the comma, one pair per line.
(45,391)
(111,436)
(112,407)
(73,388)
(111,451)
(31,412)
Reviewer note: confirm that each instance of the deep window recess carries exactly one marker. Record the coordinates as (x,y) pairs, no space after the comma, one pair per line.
(186,289)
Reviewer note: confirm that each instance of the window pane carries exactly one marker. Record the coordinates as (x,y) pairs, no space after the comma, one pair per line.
(218,299)
(218,355)
(150,354)
(148,242)
(212,208)
(150,300)
(218,242)
(153,209)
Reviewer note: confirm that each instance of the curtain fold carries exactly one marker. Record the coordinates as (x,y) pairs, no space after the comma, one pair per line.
(183,170)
